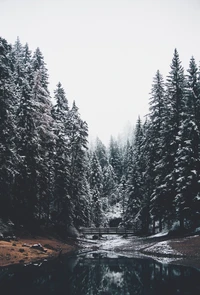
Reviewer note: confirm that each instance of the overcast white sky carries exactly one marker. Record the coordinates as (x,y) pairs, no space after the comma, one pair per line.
(105,52)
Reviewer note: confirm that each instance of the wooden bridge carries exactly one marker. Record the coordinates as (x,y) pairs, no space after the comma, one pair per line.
(109,230)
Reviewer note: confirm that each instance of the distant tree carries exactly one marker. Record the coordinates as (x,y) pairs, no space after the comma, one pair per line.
(101,153)
(134,188)
(96,187)
(115,158)
(126,159)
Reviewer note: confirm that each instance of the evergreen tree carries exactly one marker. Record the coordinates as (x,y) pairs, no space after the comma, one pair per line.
(39,65)
(17,55)
(26,186)
(101,153)
(96,186)
(187,200)
(134,188)
(115,158)
(173,116)
(77,134)
(62,203)
(45,142)
(153,146)
(7,130)
(187,163)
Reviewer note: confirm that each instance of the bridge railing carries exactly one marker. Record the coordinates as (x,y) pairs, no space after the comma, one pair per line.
(107,230)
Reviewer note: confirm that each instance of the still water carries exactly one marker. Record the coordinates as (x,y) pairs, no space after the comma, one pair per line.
(100,273)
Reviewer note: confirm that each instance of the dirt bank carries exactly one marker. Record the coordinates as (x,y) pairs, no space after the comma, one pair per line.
(26,250)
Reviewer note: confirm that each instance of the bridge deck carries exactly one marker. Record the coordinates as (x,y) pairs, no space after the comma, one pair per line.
(107,230)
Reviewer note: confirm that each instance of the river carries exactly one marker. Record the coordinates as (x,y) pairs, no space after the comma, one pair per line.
(100,273)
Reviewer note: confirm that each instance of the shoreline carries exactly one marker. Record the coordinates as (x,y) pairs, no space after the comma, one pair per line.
(22,251)
(164,249)
(181,250)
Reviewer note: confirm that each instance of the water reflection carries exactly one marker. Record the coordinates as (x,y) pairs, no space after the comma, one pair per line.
(101,274)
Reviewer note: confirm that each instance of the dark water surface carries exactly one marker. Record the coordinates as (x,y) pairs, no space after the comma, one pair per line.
(100,273)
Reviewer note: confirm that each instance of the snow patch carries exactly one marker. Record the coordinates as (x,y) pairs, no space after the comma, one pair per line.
(113,242)
(160,234)
(162,248)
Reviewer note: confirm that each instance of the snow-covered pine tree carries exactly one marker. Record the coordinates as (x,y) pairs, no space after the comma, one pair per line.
(44,128)
(77,134)
(26,185)
(109,185)
(153,147)
(187,186)
(175,101)
(115,158)
(63,206)
(187,163)
(18,64)
(134,187)
(7,130)
(38,63)
(96,188)
(126,159)
(101,153)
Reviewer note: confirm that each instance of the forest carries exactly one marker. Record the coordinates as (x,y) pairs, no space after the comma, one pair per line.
(50,177)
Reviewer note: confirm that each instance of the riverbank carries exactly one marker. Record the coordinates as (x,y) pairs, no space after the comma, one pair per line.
(165,249)
(181,250)
(26,250)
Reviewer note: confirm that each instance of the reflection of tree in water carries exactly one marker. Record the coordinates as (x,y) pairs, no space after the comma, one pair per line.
(111,276)
(97,274)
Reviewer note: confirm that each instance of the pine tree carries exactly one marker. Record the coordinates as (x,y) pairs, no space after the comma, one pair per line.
(62,202)
(126,159)
(115,158)
(175,101)
(135,188)
(187,163)
(45,142)
(77,134)
(153,146)
(39,65)
(17,54)
(101,153)
(25,186)
(187,186)
(7,130)
(96,186)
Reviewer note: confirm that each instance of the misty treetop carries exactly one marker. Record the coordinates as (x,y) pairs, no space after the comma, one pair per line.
(49,177)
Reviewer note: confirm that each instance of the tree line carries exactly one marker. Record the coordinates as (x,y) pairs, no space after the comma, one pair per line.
(42,146)
(156,174)
(49,176)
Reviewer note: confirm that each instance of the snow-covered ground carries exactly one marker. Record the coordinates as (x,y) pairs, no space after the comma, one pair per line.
(160,234)
(112,242)
(158,247)
(136,247)
(162,248)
